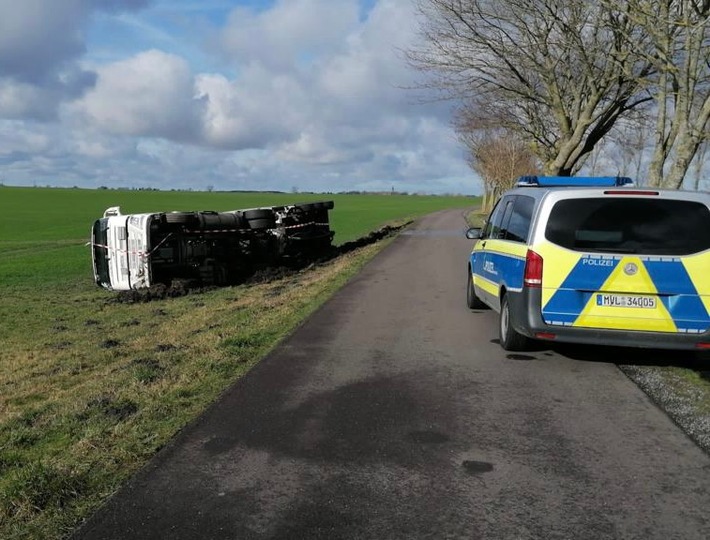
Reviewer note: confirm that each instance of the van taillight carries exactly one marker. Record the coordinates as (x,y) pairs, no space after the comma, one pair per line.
(533,270)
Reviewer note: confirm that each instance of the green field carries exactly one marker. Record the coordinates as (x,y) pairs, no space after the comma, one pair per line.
(43,231)
(91,388)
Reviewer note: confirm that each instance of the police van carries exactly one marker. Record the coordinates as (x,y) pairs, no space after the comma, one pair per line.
(595,260)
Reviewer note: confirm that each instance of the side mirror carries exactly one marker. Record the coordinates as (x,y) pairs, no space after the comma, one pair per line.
(474,233)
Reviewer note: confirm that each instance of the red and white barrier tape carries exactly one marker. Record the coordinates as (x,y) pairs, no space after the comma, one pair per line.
(144,254)
(287,227)
(307,224)
(117,250)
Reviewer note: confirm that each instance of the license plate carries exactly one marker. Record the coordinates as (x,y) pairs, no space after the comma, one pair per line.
(626,300)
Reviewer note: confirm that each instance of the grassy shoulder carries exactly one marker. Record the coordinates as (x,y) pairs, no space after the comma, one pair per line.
(476,218)
(680,385)
(92,388)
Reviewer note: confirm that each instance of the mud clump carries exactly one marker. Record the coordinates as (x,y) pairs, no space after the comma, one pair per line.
(110,407)
(374,236)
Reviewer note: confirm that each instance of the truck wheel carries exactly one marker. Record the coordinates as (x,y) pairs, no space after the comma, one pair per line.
(510,340)
(259,213)
(473,301)
(307,207)
(261,224)
(180,218)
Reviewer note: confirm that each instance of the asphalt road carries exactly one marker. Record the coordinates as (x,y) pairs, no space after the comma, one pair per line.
(394,413)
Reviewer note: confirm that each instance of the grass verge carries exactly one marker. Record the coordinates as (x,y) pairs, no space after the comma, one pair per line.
(681,390)
(91,388)
(476,218)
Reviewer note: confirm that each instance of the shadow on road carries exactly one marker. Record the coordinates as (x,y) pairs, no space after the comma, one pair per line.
(695,360)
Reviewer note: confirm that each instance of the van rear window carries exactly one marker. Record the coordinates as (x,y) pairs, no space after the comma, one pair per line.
(625,225)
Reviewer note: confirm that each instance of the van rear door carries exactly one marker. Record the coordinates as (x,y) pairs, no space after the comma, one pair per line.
(627,261)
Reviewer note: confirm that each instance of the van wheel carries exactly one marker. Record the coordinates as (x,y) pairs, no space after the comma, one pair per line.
(510,340)
(473,301)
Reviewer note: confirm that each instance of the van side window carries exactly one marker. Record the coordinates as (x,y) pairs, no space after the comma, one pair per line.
(493,223)
(506,218)
(519,226)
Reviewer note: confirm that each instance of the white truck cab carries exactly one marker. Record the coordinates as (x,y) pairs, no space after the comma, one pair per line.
(121,246)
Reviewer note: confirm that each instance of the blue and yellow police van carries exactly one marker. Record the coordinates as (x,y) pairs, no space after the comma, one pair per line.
(595,260)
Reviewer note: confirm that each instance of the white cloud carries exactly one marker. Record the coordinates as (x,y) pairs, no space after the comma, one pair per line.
(291,31)
(150,94)
(16,138)
(23,100)
(259,109)
(315,99)
(41,42)
(372,65)
(38,36)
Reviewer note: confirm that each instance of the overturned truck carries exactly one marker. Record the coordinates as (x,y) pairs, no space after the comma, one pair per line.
(208,248)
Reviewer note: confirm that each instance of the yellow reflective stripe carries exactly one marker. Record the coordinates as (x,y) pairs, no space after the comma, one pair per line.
(557,263)
(486,285)
(698,268)
(657,319)
(506,247)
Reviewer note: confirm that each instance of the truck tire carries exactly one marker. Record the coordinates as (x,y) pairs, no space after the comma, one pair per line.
(180,218)
(307,207)
(261,224)
(259,213)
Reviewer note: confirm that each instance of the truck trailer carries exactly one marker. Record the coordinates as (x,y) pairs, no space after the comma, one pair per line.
(137,251)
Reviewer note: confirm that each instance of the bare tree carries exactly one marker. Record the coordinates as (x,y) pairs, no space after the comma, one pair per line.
(498,157)
(554,72)
(700,163)
(677,45)
(629,142)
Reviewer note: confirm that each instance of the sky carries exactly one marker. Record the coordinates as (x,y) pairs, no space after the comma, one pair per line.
(290,95)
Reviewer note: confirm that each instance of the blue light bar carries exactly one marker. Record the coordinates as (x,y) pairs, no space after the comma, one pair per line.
(574,181)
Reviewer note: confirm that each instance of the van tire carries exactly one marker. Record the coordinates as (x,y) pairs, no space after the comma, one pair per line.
(473,301)
(510,339)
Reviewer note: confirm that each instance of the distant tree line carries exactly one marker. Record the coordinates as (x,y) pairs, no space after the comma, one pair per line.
(557,79)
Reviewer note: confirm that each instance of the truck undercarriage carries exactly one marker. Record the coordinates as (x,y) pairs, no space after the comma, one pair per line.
(210,248)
